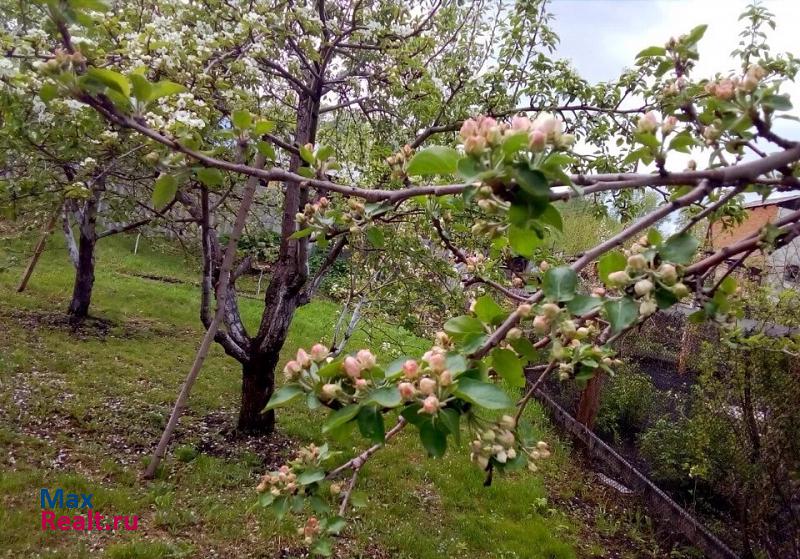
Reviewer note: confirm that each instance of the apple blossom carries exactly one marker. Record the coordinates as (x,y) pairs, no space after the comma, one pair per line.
(620,277)
(537,140)
(352,367)
(427,386)
(647,307)
(541,324)
(366,359)
(643,287)
(303,358)
(407,390)
(514,334)
(437,361)
(330,391)
(524,310)
(648,123)
(319,352)
(680,290)
(521,123)
(410,369)
(446,378)
(668,274)
(430,405)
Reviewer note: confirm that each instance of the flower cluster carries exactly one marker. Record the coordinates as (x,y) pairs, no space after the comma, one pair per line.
(427,382)
(484,133)
(641,274)
(498,445)
(295,368)
(726,88)
(648,124)
(398,161)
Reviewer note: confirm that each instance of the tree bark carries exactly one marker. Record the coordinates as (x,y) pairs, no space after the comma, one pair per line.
(285,291)
(84,272)
(589,404)
(258,384)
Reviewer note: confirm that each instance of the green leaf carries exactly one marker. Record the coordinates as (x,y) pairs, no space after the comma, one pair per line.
(242,119)
(777,102)
(652,51)
(582,304)
(682,142)
(525,349)
(387,397)
(164,190)
(696,34)
(460,325)
(111,79)
(340,417)
(433,440)
(283,396)
(280,506)
(311,476)
(302,233)
(48,92)
(482,394)
(322,547)
(142,89)
(307,155)
(335,525)
(679,248)
(654,237)
(210,177)
(266,149)
(610,262)
(552,216)
(533,183)
(488,311)
(263,127)
(508,366)
(435,160)
(559,283)
(375,237)
(621,313)
(165,88)
(449,419)
(370,423)
(523,241)
(514,142)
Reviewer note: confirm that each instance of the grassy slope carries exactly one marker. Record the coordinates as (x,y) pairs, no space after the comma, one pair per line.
(80,411)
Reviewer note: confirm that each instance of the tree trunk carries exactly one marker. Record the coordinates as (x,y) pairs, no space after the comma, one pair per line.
(84,279)
(258,383)
(285,291)
(84,272)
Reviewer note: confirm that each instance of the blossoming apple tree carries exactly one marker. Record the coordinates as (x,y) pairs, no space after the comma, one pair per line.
(506,174)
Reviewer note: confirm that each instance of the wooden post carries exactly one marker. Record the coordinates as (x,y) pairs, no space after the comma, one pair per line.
(37,252)
(589,404)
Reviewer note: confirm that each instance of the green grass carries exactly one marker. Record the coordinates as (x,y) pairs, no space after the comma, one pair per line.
(82,410)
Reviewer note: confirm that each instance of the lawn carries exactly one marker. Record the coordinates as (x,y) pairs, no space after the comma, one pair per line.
(81,410)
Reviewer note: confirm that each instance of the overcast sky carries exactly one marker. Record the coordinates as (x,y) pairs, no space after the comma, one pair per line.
(602,37)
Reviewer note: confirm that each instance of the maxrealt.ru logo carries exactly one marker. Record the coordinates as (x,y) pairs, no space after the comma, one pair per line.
(81,522)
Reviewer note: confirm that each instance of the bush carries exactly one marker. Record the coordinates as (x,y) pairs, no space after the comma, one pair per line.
(629,399)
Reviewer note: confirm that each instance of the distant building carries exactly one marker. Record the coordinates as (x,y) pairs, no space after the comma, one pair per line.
(780,268)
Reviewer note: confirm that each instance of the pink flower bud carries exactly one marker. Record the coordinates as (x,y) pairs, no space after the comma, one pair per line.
(430,405)
(427,386)
(669,125)
(407,390)
(303,358)
(521,123)
(292,368)
(437,362)
(474,145)
(524,310)
(537,140)
(361,383)
(319,352)
(548,124)
(469,128)
(541,324)
(330,391)
(366,359)
(647,123)
(352,367)
(410,369)
(446,378)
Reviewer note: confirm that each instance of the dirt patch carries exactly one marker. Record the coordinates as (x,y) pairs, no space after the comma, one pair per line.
(87,329)
(215,435)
